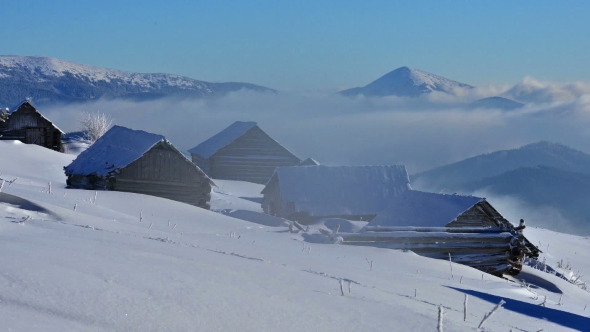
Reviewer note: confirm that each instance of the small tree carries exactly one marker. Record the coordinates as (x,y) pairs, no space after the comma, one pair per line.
(94,125)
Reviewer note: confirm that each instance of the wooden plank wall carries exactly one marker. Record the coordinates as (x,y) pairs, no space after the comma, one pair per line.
(161,172)
(165,173)
(476,216)
(272,202)
(27,117)
(253,157)
(202,163)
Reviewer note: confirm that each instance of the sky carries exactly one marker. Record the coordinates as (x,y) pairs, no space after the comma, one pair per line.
(308,45)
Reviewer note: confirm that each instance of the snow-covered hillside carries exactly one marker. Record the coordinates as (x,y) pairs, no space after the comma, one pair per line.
(407,82)
(85,261)
(48,79)
(55,67)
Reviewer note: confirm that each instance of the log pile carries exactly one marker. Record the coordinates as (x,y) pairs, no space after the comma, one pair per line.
(496,251)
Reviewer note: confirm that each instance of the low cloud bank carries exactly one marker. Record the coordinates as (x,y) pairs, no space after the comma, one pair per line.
(422,133)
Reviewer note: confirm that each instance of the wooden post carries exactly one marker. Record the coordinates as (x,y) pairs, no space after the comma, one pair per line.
(451,264)
(440,319)
(465,308)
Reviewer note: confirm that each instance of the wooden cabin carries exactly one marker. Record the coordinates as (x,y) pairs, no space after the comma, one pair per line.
(29,126)
(242,152)
(305,194)
(466,228)
(424,209)
(139,162)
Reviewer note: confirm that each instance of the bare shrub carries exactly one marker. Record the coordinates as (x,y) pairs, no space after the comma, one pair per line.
(94,125)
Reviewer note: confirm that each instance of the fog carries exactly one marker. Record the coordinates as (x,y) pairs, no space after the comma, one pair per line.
(421,133)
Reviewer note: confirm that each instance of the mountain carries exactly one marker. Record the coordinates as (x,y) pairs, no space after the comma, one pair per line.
(406,82)
(454,176)
(549,188)
(52,80)
(497,103)
(546,182)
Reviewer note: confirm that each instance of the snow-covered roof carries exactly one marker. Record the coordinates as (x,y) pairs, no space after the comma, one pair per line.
(423,209)
(341,190)
(117,148)
(222,139)
(28,101)
(308,162)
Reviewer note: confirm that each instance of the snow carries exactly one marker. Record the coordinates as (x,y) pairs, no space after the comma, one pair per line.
(116,149)
(222,139)
(99,268)
(308,162)
(341,190)
(58,68)
(423,209)
(407,82)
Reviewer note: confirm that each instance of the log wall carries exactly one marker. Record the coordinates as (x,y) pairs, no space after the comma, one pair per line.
(493,250)
(481,214)
(253,157)
(161,172)
(166,173)
(28,126)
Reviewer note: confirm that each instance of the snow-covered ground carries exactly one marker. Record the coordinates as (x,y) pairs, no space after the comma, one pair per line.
(111,261)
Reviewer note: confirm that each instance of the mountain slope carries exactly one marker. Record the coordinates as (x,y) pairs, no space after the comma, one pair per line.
(496,102)
(406,82)
(452,177)
(567,193)
(52,80)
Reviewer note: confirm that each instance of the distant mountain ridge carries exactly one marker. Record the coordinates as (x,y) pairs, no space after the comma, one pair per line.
(52,80)
(406,82)
(476,168)
(550,178)
(568,193)
(497,103)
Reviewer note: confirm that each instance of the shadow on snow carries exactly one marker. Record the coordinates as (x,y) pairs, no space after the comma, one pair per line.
(563,318)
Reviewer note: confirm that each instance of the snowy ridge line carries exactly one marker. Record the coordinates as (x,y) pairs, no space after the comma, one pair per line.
(58,68)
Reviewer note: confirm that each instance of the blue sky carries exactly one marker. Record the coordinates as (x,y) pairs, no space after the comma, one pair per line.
(308,45)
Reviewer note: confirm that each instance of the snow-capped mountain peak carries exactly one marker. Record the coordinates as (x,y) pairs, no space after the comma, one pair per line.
(407,82)
(49,79)
(44,66)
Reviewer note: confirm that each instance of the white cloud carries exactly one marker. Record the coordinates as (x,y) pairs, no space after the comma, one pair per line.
(422,133)
(531,90)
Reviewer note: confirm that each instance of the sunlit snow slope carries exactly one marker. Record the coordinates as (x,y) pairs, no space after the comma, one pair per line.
(85,261)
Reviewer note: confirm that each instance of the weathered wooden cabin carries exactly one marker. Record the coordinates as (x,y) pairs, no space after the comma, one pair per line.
(424,209)
(139,162)
(29,126)
(466,228)
(305,194)
(242,152)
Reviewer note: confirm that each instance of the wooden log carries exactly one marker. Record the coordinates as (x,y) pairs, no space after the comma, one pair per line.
(417,237)
(434,229)
(461,247)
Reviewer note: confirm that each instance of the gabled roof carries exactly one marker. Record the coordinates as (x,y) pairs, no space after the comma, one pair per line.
(116,149)
(340,190)
(423,209)
(308,162)
(28,101)
(222,139)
